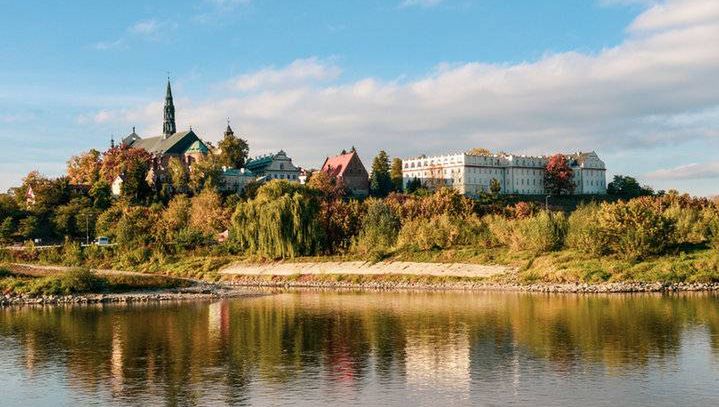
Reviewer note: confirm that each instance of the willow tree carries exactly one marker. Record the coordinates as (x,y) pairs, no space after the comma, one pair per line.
(282,221)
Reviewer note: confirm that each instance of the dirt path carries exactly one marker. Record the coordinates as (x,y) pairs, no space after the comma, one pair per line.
(366,268)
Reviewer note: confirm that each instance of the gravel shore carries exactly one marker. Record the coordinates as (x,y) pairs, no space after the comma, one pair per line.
(379,284)
(200,292)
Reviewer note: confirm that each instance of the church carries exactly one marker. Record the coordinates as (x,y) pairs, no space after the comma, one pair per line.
(185,145)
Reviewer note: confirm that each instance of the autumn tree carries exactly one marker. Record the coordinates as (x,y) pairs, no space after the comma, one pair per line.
(204,174)
(396,174)
(207,215)
(101,194)
(558,176)
(330,187)
(84,168)
(233,150)
(380,180)
(132,164)
(480,151)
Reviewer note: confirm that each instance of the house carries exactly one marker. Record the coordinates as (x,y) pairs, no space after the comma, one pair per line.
(348,168)
(472,174)
(235,180)
(116,186)
(273,166)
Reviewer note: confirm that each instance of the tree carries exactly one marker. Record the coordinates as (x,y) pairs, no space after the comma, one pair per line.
(101,194)
(481,151)
(380,180)
(233,151)
(207,214)
(627,187)
(558,176)
(29,227)
(413,185)
(132,164)
(179,175)
(495,187)
(331,187)
(396,174)
(205,173)
(84,168)
(7,229)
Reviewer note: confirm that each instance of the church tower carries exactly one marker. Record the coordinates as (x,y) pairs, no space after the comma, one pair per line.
(168,125)
(228,131)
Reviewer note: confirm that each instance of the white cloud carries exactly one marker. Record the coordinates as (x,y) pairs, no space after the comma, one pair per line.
(145,27)
(107,45)
(676,14)
(653,90)
(687,172)
(297,73)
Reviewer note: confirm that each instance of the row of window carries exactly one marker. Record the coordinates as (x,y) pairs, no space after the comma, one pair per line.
(283,176)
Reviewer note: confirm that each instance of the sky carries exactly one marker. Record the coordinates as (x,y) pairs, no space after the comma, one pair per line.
(637,81)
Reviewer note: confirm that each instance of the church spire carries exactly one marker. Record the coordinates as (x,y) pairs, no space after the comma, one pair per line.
(168,125)
(228,131)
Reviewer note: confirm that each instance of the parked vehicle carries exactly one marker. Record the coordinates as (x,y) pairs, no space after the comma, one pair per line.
(102,241)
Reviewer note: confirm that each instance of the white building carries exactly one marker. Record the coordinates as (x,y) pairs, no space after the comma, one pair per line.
(274,166)
(517,174)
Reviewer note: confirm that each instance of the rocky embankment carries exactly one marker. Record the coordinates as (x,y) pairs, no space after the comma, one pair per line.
(200,292)
(391,284)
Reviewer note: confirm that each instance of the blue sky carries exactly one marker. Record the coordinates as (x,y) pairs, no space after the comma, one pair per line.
(632,79)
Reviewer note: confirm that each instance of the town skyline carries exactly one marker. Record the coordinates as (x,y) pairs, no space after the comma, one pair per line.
(578,86)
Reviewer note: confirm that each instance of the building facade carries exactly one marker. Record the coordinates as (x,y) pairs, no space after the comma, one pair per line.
(348,168)
(517,174)
(273,166)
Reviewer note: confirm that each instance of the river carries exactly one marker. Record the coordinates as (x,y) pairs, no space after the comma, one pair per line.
(367,348)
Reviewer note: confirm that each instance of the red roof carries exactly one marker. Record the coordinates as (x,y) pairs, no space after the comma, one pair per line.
(337,165)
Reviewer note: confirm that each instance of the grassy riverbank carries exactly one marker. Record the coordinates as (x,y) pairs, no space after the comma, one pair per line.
(16,280)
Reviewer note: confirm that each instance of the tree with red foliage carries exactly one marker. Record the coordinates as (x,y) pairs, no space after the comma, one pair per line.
(558,176)
(133,164)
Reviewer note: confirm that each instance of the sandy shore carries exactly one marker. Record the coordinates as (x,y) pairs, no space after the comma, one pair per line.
(366,269)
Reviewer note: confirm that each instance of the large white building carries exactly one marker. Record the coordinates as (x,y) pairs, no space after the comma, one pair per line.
(517,174)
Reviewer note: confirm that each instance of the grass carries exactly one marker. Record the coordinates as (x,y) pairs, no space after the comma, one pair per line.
(81,281)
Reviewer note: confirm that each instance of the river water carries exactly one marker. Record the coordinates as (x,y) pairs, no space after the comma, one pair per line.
(353,348)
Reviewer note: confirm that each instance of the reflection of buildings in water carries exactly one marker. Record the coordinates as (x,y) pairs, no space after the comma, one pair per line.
(30,353)
(219,319)
(438,359)
(116,361)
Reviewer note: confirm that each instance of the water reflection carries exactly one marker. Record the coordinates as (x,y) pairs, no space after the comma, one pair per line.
(365,348)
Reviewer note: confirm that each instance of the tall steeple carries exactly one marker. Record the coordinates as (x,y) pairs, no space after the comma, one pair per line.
(168,125)
(228,131)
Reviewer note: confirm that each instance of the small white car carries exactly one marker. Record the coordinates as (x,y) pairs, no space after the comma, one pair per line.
(102,241)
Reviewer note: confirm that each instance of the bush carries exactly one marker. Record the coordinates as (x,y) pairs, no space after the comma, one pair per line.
(380,227)
(73,281)
(635,229)
(442,232)
(583,233)
(541,233)
(72,254)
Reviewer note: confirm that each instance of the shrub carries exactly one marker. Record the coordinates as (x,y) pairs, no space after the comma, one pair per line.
(380,227)
(635,229)
(583,232)
(72,254)
(442,232)
(541,233)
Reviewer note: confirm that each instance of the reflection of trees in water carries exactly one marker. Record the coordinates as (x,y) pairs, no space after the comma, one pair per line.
(190,353)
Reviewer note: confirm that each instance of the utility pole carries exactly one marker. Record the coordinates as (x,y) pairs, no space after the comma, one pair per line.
(546,203)
(87,229)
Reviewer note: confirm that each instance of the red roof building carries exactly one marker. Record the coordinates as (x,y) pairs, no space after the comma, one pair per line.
(349,168)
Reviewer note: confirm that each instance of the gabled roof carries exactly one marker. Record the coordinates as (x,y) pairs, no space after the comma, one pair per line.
(259,163)
(337,165)
(178,143)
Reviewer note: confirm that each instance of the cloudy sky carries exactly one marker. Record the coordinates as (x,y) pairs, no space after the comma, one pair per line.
(635,80)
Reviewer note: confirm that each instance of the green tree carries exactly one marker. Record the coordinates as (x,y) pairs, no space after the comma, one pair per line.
(101,194)
(396,174)
(380,180)
(179,175)
(233,151)
(413,185)
(205,173)
(627,187)
(480,151)
(29,227)
(7,229)
(558,176)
